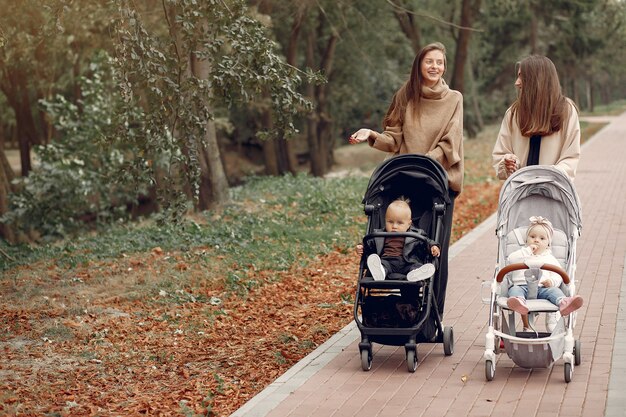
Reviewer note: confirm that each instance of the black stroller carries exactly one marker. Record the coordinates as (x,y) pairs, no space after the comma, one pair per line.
(395,311)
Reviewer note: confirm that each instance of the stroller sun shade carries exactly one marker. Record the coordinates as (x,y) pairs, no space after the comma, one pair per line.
(539,190)
(414,169)
(419,178)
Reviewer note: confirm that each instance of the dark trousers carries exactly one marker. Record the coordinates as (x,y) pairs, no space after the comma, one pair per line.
(398,265)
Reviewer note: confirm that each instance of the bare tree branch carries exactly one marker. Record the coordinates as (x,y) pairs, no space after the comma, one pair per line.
(436,19)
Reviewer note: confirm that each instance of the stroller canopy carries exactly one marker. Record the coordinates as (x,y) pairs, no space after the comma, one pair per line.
(539,191)
(409,175)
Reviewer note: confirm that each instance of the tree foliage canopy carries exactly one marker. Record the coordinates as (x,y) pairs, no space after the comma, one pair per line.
(183,68)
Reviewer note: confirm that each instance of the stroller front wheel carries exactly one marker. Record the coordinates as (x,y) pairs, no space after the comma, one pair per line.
(448,341)
(569,371)
(490,370)
(411,360)
(366,360)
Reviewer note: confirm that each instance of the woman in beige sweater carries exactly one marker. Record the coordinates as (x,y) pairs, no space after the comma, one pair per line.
(426,118)
(541,127)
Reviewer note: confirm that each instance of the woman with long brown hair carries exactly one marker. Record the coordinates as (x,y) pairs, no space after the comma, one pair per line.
(425,117)
(541,127)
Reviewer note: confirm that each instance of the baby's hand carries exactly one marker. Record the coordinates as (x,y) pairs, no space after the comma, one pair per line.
(546,283)
(359,250)
(435,251)
(533,248)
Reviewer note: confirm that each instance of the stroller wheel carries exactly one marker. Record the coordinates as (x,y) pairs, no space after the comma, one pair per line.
(448,341)
(577,353)
(499,345)
(490,370)
(411,360)
(366,360)
(569,371)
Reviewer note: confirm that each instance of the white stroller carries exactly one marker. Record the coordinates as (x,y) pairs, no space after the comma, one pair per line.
(534,191)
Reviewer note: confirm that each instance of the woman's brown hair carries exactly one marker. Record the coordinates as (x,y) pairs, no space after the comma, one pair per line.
(541,107)
(411,90)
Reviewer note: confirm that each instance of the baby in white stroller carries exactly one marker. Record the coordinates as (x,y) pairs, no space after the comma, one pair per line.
(540,192)
(545,286)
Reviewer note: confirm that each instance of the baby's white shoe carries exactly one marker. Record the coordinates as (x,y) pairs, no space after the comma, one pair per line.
(423,272)
(376,267)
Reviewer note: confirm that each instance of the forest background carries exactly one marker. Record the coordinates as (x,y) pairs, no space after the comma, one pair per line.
(174,232)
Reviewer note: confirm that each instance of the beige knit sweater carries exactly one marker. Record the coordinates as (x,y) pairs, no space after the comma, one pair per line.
(437,133)
(561,149)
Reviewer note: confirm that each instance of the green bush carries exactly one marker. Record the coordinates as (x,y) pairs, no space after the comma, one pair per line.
(77,178)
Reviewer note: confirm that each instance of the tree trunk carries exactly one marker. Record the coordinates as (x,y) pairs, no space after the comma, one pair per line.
(462,45)
(409,26)
(286,150)
(6,176)
(323,130)
(589,89)
(16,91)
(278,154)
(287,155)
(480,124)
(270,148)
(213,180)
(311,133)
(269,154)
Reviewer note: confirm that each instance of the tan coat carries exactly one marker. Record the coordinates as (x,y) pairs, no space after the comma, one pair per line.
(561,149)
(437,133)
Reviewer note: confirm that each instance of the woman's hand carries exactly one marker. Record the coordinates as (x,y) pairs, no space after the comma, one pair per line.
(359,136)
(511,163)
(359,250)
(435,251)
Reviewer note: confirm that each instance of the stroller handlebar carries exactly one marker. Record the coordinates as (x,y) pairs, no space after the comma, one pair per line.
(547,267)
(395,234)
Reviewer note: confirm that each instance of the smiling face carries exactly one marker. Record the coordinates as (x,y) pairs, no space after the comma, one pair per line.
(432,68)
(398,217)
(538,235)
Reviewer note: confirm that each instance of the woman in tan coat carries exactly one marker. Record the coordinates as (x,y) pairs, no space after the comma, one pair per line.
(426,118)
(541,127)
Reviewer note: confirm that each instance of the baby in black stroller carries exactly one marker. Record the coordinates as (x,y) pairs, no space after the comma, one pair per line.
(397,294)
(400,255)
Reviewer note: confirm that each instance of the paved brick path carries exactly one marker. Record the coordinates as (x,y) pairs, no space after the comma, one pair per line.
(330,382)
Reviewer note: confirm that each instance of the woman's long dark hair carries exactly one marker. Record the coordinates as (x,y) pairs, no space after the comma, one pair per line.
(540,108)
(411,90)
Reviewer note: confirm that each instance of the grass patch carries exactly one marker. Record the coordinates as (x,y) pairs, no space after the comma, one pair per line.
(271,223)
(612,109)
